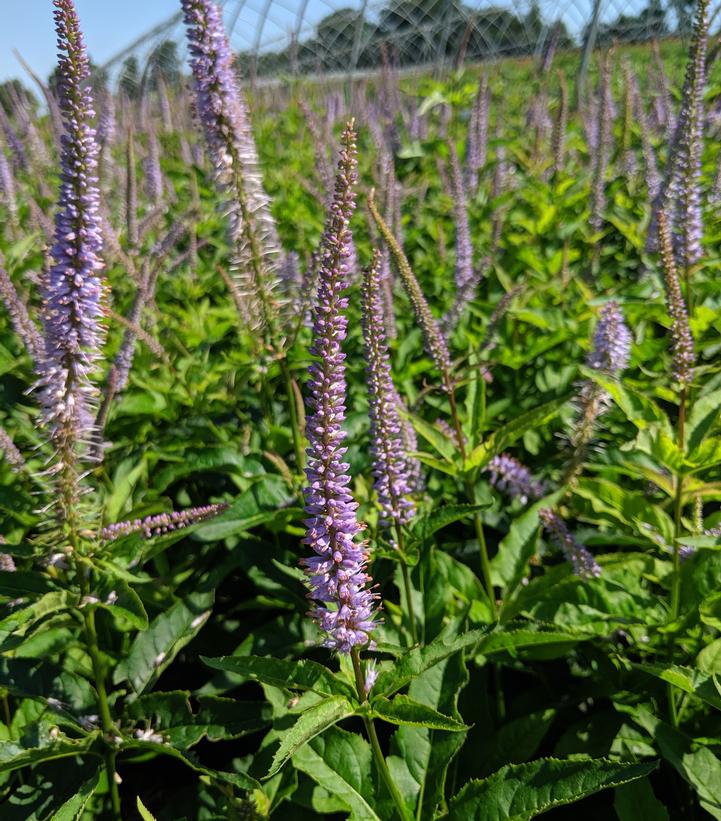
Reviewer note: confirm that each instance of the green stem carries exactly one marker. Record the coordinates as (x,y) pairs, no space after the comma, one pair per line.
(106,720)
(676,579)
(471,494)
(406,583)
(403,812)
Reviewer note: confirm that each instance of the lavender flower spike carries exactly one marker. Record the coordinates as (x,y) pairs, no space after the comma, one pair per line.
(510,476)
(161,523)
(578,555)
(343,607)
(611,342)
(73,290)
(391,466)
(223,112)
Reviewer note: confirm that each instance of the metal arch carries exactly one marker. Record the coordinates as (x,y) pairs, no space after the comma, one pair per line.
(261,26)
(300,18)
(155,32)
(355,54)
(234,18)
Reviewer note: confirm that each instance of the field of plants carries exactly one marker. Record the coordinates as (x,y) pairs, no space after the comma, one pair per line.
(360,442)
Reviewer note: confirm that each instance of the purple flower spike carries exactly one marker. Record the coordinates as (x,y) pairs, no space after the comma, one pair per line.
(162,523)
(391,466)
(223,112)
(73,290)
(510,476)
(584,565)
(343,607)
(611,342)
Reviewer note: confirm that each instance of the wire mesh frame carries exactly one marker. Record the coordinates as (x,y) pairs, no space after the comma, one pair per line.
(281,37)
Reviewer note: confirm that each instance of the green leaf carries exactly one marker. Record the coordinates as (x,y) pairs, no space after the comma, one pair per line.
(42,681)
(512,639)
(144,812)
(696,765)
(425,755)
(22,623)
(691,681)
(17,583)
(704,413)
(517,740)
(256,506)
(341,763)
(636,801)
(639,409)
(517,547)
(419,659)
(508,433)
(216,719)
(444,445)
(152,651)
(117,597)
(424,526)
(404,710)
(290,675)
(310,723)
(73,808)
(13,755)
(519,792)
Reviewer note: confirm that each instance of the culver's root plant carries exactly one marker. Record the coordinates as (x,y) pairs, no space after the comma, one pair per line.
(386,489)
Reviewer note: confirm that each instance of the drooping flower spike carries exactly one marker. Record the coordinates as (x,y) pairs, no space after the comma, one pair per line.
(584,565)
(161,523)
(510,476)
(343,605)
(610,355)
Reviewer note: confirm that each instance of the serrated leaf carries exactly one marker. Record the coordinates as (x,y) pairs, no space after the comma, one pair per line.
(701,419)
(519,792)
(424,526)
(341,763)
(445,446)
(153,650)
(73,808)
(509,565)
(693,682)
(171,715)
(640,410)
(13,755)
(419,659)
(404,710)
(292,675)
(310,723)
(636,801)
(117,597)
(143,811)
(17,583)
(508,433)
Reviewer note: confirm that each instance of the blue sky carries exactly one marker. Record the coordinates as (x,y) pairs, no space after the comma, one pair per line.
(108,25)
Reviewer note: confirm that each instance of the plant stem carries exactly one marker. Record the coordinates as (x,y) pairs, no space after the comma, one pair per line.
(106,720)
(406,583)
(676,579)
(403,812)
(471,494)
